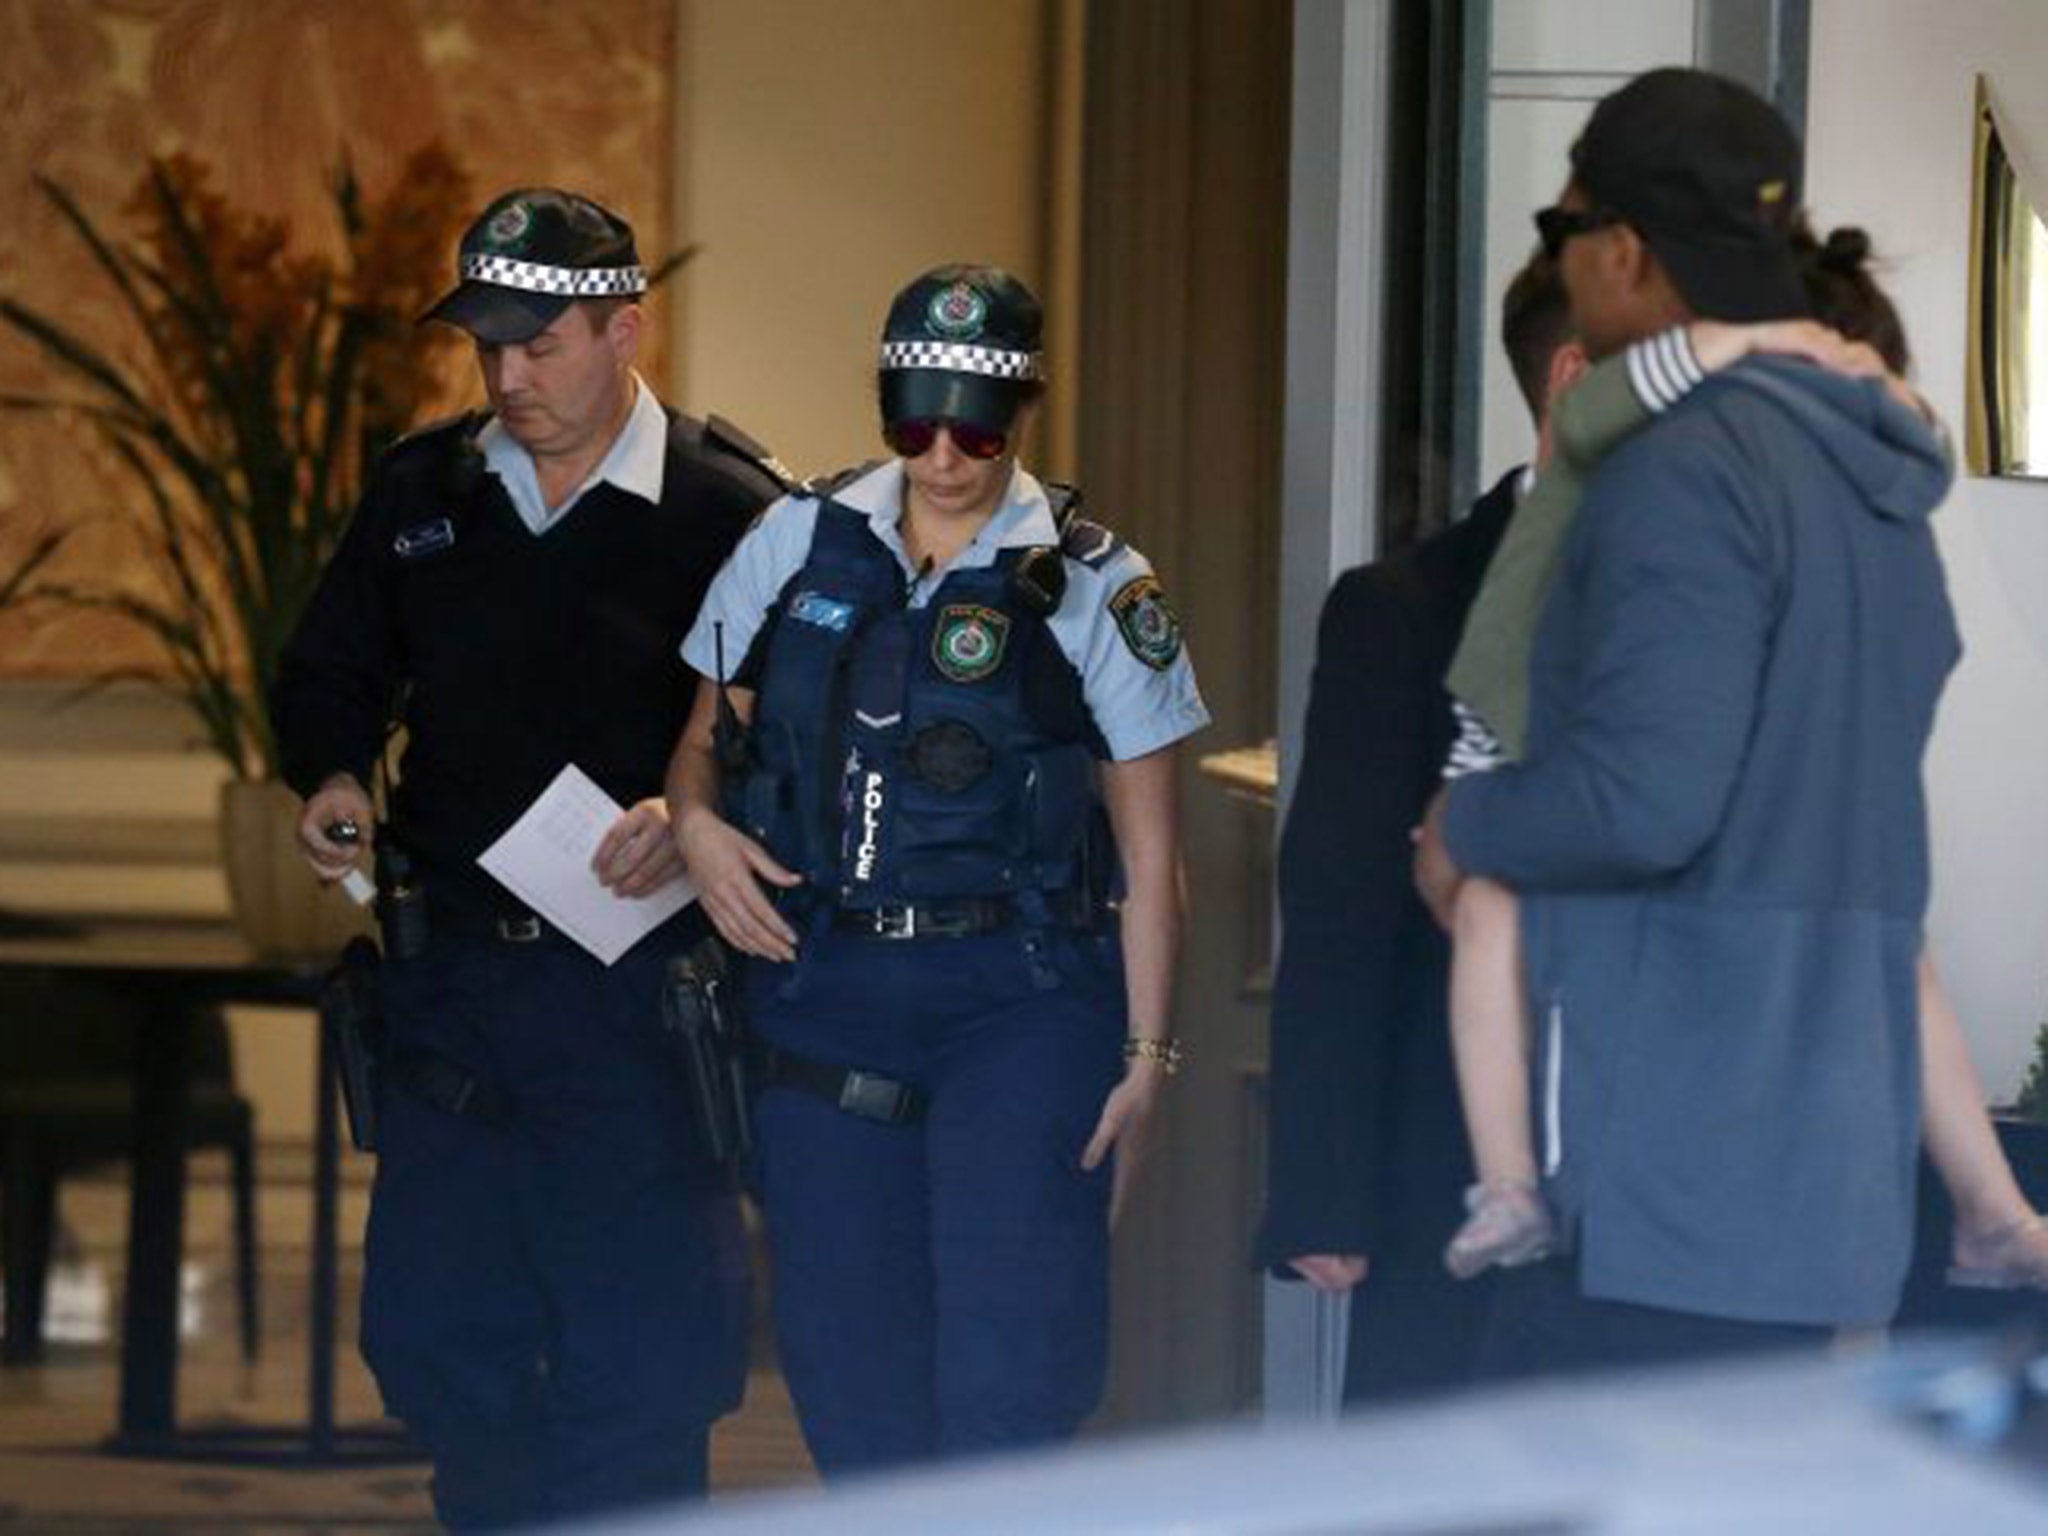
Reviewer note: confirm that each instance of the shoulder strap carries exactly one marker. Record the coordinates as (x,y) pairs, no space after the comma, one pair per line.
(1089,542)
(705,439)
(446,450)
(467,423)
(824,487)
(1080,539)
(721,433)
(1065,502)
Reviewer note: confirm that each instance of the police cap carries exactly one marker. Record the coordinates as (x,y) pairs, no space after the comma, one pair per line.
(961,342)
(529,256)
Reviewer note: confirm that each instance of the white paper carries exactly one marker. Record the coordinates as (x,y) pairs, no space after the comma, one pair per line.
(544,859)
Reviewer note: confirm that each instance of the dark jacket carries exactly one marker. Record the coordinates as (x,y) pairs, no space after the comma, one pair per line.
(1366,1145)
(1721,840)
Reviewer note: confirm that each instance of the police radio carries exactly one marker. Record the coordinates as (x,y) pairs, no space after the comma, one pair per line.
(1039,578)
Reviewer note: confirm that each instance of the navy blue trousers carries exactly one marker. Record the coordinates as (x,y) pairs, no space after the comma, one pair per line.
(555,1307)
(941,1288)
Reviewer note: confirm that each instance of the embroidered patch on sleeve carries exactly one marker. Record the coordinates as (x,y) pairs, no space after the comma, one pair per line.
(968,643)
(1147,622)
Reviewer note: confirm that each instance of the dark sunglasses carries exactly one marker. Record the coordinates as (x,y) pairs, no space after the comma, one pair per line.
(914,435)
(1555,225)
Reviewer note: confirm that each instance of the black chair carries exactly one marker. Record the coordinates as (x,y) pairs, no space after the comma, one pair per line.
(67,1101)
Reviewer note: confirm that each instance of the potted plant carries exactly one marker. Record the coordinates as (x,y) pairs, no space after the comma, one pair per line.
(262,382)
(2032,1103)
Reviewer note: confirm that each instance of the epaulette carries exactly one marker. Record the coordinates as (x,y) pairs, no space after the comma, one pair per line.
(464,423)
(721,433)
(442,458)
(1089,542)
(825,487)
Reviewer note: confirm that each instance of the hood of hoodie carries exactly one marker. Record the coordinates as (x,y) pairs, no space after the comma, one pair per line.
(1899,463)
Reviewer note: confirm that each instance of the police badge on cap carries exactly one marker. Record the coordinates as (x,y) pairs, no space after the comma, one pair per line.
(961,343)
(529,256)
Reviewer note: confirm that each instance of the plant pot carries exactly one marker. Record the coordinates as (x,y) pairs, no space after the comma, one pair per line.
(1929,1301)
(280,907)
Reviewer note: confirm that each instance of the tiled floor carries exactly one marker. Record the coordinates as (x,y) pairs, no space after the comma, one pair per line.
(54,1416)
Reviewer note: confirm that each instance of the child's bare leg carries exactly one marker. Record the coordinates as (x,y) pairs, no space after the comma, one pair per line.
(1508,1221)
(1490,1032)
(1999,1239)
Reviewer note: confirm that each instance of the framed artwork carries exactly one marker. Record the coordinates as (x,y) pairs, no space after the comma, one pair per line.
(2007,402)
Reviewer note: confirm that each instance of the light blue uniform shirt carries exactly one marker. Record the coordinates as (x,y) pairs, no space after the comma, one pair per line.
(634,462)
(1138,707)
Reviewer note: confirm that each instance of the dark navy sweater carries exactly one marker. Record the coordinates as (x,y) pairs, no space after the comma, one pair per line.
(505,654)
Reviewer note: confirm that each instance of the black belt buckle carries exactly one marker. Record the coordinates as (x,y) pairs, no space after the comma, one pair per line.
(525,929)
(877,1098)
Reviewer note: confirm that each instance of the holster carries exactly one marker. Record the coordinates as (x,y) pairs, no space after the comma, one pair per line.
(701,1014)
(352,1016)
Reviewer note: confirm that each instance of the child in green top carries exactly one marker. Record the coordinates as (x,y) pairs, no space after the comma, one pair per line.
(1507,1221)
(2000,1239)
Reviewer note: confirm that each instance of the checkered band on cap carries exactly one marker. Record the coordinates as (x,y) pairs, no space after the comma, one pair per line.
(571,282)
(956,357)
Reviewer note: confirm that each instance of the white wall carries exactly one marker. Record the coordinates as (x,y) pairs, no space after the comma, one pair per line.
(1551,60)
(1889,122)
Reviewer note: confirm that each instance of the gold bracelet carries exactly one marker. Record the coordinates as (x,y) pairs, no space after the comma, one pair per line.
(1169,1053)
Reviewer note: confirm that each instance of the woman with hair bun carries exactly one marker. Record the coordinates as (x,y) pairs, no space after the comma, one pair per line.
(2000,1241)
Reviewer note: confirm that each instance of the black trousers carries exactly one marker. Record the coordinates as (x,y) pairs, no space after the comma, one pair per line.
(1540,1325)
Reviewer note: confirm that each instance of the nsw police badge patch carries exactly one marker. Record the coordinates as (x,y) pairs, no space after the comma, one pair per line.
(968,643)
(1147,622)
(956,313)
(508,228)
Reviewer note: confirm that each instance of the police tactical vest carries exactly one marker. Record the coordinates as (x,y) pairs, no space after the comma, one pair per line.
(900,754)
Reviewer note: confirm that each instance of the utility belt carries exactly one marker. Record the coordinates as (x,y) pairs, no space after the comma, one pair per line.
(368,1062)
(726,1067)
(964,917)
(513,925)
(862,1094)
(443,1084)
(723,1066)
(413,915)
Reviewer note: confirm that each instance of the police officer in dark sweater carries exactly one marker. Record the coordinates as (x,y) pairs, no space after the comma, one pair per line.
(555,1293)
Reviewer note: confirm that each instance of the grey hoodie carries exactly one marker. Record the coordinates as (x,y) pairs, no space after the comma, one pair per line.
(1720,836)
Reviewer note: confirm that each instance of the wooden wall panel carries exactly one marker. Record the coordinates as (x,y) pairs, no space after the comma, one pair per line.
(272,93)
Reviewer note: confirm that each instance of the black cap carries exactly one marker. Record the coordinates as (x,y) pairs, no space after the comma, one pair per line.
(529,256)
(1709,174)
(961,342)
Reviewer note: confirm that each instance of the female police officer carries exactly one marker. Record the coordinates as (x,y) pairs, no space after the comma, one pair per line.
(955,693)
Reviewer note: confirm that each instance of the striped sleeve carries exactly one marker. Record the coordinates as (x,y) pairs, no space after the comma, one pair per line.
(1663,369)
(1475,749)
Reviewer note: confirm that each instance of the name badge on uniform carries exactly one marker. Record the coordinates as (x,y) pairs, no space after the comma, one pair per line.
(825,612)
(424,539)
